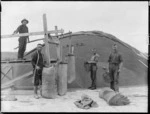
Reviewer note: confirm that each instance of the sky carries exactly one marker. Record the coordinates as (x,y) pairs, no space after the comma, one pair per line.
(128,21)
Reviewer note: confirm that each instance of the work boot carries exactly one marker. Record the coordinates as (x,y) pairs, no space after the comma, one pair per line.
(36,96)
(92,88)
(20,58)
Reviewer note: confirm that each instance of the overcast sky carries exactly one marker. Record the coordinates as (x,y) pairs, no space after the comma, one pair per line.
(128,21)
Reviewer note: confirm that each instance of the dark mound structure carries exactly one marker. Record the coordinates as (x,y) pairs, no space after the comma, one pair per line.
(134,71)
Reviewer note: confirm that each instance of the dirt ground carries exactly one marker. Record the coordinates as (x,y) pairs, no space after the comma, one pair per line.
(25,102)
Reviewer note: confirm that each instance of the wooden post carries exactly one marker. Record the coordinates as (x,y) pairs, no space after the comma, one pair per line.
(70,45)
(56,29)
(58,46)
(47,47)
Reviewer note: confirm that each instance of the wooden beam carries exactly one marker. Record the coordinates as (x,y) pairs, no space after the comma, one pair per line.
(53,43)
(15,61)
(47,47)
(31,34)
(9,83)
(60,36)
(59,47)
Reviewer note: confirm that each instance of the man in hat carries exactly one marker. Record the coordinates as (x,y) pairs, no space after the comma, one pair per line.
(38,62)
(93,62)
(23,39)
(115,63)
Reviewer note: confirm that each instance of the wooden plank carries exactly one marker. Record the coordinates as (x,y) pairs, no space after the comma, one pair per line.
(16,79)
(47,47)
(65,35)
(53,43)
(30,34)
(15,61)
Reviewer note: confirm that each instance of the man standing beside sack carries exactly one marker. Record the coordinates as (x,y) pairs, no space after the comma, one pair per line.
(115,64)
(38,63)
(93,67)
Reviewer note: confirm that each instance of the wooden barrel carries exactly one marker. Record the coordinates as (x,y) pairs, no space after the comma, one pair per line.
(71,68)
(49,85)
(62,78)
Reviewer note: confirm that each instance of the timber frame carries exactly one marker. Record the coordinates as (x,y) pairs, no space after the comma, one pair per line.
(47,40)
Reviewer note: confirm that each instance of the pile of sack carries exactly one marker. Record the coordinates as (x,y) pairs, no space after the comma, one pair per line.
(110,96)
(113,98)
(86,102)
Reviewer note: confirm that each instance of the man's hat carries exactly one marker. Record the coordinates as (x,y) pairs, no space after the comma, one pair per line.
(25,20)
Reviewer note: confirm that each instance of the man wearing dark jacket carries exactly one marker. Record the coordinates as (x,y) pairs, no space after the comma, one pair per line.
(38,64)
(23,39)
(115,63)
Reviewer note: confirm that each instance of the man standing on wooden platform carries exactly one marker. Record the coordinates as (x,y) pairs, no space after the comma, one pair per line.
(38,63)
(115,63)
(23,39)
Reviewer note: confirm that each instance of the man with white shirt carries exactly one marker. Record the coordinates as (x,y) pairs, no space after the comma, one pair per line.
(115,64)
(93,61)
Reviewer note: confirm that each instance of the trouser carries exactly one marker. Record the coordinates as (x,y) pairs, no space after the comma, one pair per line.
(37,79)
(114,76)
(93,74)
(22,46)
